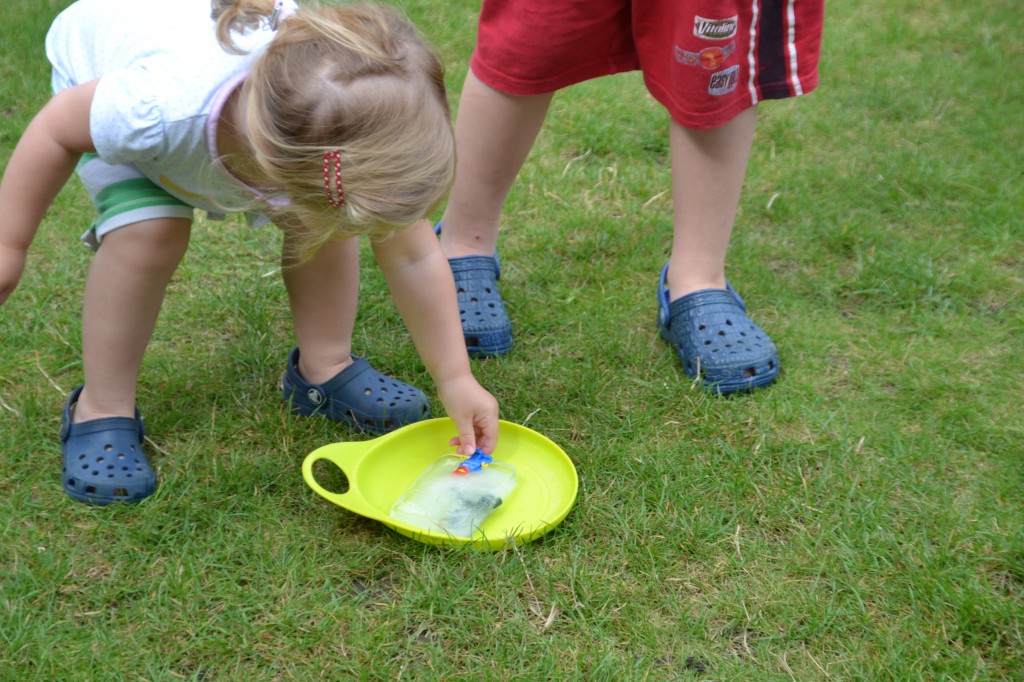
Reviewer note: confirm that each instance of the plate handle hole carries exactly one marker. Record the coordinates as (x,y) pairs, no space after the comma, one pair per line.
(330,477)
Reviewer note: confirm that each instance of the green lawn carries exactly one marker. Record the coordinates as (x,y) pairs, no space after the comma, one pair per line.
(859,520)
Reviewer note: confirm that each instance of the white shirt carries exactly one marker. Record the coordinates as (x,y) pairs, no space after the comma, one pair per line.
(163,78)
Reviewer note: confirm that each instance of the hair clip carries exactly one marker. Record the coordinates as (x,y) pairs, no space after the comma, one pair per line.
(332,166)
(278,15)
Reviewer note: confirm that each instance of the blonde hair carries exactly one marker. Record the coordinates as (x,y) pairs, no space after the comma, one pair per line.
(359,80)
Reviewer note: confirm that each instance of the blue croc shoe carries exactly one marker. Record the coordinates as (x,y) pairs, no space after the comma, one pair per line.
(103,458)
(715,339)
(485,322)
(358,396)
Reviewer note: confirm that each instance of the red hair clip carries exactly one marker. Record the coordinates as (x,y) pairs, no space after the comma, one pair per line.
(332,167)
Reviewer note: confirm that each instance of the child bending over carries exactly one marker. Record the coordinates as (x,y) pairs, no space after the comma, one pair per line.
(331,122)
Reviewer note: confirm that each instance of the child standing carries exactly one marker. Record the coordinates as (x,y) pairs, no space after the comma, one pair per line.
(710,64)
(330,122)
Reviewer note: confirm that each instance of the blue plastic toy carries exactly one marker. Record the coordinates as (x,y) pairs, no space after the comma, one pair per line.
(474,462)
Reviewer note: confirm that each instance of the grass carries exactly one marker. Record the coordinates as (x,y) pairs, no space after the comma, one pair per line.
(860,520)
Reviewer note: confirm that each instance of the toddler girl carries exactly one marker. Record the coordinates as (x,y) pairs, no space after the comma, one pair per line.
(331,122)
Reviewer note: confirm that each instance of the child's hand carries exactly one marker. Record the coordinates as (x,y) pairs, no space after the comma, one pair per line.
(12,263)
(475,413)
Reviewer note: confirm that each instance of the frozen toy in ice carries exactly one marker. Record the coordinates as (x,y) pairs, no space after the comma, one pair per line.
(455,495)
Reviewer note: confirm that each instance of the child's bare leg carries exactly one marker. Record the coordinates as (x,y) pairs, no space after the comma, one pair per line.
(708,167)
(324,293)
(494,132)
(123,295)
(322,377)
(708,327)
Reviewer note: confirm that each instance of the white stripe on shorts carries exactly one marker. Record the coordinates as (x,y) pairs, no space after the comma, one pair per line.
(791,48)
(751,52)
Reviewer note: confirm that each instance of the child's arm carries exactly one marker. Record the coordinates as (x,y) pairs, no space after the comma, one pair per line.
(40,165)
(424,293)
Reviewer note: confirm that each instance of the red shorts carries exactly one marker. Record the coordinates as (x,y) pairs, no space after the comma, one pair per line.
(705,60)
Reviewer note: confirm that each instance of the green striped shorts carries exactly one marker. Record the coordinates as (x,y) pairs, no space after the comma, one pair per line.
(122,196)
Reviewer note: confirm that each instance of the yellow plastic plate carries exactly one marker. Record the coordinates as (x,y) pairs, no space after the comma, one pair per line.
(380,470)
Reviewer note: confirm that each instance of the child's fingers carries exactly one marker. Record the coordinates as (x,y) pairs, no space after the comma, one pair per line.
(457,442)
(466,439)
(482,434)
(487,436)
(475,413)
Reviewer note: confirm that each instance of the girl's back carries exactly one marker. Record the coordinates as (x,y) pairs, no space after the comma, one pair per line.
(93,37)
